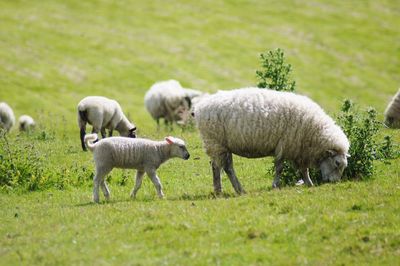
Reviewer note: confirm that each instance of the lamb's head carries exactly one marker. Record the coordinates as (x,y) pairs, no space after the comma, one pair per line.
(178,148)
(333,165)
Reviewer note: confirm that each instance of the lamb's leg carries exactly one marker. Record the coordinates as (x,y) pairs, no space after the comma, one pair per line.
(105,189)
(82,135)
(278,172)
(156,181)
(138,183)
(228,167)
(306,177)
(98,181)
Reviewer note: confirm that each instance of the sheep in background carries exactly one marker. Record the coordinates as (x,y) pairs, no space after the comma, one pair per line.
(142,154)
(7,118)
(392,113)
(170,101)
(256,123)
(103,113)
(26,123)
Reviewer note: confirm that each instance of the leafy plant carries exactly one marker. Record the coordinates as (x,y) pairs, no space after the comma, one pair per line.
(275,73)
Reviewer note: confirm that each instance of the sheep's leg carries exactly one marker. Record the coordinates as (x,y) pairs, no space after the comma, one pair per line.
(216,178)
(105,189)
(228,167)
(82,135)
(278,173)
(110,132)
(156,181)
(306,177)
(98,181)
(103,133)
(138,183)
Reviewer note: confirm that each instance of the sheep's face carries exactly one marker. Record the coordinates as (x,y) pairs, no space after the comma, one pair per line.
(178,148)
(333,166)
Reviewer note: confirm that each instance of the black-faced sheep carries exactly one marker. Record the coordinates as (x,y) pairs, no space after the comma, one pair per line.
(103,113)
(256,123)
(392,113)
(144,155)
(7,118)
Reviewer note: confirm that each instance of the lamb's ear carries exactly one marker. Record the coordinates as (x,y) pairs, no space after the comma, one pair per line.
(132,129)
(169,140)
(348,155)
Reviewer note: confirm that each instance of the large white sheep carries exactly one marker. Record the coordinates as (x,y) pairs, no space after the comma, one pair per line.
(7,118)
(256,123)
(392,113)
(170,101)
(103,113)
(144,155)
(26,123)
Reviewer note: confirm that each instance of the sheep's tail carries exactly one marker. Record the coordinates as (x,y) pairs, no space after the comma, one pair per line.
(89,141)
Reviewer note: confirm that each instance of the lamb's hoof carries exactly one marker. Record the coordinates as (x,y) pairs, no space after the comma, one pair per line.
(275,186)
(300,182)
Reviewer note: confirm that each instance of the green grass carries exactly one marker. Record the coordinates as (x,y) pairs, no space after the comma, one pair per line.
(53,53)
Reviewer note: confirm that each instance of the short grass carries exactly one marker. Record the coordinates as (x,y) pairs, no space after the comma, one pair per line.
(53,53)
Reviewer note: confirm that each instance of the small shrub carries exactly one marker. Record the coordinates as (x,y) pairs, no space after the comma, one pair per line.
(275,73)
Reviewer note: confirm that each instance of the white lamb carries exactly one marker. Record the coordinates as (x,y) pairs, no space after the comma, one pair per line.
(7,118)
(26,123)
(103,113)
(170,101)
(392,113)
(256,123)
(144,155)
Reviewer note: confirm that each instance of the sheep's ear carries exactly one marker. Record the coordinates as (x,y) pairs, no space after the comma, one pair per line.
(331,153)
(169,140)
(132,129)
(348,155)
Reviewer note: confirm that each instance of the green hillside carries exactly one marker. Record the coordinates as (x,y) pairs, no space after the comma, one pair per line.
(54,53)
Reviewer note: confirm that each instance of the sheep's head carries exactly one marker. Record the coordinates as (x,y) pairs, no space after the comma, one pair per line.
(178,148)
(333,165)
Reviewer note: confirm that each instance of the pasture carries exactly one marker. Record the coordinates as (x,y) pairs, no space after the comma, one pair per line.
(54,53)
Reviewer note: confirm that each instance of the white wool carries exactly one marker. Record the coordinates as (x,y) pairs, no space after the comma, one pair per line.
(255,122)
(103,113)
(392,112)
(7,118)
(133,153)
(26,123)
(169,100)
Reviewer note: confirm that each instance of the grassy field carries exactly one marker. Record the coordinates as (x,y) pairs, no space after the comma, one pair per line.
(53,53)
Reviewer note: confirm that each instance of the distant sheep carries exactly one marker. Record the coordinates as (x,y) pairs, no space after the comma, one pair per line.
(26,123)
(392,113)
(256,123)
(7,118)
(142,154)
(170,101)
(103,113)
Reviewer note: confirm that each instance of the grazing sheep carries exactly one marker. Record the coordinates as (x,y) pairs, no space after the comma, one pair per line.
(141,154)
(7,118)
(170,101)
(256,123)
(26,123)
(103,113)
(392,113)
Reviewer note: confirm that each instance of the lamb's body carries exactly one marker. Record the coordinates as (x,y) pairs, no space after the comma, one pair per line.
(26,123)
(256,123)
(7,118)
(392,113)
(144,155)
(103,113)
(169,100)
